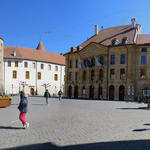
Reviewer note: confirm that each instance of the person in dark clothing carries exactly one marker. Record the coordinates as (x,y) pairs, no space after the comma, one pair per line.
(46,95)
(60,94)
(23,108)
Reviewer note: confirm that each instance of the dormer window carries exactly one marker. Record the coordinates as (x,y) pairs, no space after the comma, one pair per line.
(14,53)
(113,42)
(124,41)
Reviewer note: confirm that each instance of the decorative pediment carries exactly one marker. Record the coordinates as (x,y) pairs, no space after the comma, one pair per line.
(93,49)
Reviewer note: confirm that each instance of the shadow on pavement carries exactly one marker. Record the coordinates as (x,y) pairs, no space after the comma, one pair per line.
(115,145)
(38,104)
(139,130)
(138,108)
(9,127)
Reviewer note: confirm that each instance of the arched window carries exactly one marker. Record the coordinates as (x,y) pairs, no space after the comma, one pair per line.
(39,75)
(27,76)
(14,74)
(56,77)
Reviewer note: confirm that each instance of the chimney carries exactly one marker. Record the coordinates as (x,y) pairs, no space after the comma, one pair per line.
(133,20)
(96,29)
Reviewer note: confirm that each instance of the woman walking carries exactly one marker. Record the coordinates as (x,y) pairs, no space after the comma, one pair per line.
(23,108)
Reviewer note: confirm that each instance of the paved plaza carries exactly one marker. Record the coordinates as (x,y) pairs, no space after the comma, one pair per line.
(76,125)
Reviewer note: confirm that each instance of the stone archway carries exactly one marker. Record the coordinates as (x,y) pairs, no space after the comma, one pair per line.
(121,92)
(100,92)
(111,92)
(91,91)
(70,91)
(76,91)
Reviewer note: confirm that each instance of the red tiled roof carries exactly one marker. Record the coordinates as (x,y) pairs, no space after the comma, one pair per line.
(106,36)
(143,39)
(39,54)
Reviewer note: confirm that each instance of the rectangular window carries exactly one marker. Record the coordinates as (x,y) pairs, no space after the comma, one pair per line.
(39,75)
(143,59)
(70,76)
(76,76)
(14,74)
(25,64)
(112,59)
(144,50)
(33,64)
(122,73)
(49,66)
(16,63)
(123,59)
(42,66)
(56,68)
(64,78)
(56,77)
(101,60)
(112,73)
(9,63)
(70,64)
(76,63)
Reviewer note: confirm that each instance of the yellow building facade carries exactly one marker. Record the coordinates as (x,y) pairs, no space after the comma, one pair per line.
(113,64)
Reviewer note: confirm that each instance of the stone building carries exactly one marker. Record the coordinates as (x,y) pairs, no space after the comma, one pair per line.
(113,64)
(32,70)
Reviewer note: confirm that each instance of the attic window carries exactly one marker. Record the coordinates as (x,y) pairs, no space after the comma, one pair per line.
(14,53)
(124,41)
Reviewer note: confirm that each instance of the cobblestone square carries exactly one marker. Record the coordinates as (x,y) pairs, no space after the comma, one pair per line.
(76,124)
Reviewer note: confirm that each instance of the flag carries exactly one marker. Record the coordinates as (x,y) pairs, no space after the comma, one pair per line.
(97,61)
(80,64)
(88,63)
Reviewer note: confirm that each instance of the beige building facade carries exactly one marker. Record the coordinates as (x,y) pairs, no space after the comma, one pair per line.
(113,64)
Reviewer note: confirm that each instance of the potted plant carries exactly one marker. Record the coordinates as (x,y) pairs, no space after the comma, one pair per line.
(5,100)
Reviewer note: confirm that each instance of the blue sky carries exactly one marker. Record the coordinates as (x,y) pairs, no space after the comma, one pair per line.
(61,24)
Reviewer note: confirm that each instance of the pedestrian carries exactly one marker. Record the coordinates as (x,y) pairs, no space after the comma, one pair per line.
(148,102)
(23,108)
(60,94)
(46,95)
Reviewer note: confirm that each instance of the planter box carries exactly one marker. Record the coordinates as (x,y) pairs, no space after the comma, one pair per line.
(5,101)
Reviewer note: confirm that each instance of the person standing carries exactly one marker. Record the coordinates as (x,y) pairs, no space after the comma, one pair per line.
(60,94)
(46,95)
(23,108)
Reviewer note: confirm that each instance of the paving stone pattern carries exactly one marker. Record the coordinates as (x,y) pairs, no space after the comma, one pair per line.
(76,124)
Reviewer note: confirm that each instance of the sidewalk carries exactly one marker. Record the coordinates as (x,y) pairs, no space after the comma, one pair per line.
(76,124)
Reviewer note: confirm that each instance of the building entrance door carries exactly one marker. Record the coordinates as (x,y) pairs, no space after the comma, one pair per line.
(70,91)
(76,92)
(91,92)
(111,92)
(121,93)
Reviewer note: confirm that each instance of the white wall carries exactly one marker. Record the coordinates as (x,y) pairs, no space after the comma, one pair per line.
(12,86)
